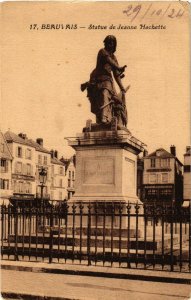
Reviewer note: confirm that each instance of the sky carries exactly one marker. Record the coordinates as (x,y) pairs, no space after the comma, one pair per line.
(42,69)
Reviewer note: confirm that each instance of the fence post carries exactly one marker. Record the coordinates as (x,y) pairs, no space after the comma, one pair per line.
(2,227)
(73,230)
(189,217)
(51,234)
(137,207)
(163,220)
(120,229)
(128,235)
(145,234)
(171,238)
(154,231)
(16,230)
(89,235)
(96,229)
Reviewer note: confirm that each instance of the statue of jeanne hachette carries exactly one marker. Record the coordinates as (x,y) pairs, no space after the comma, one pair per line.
(105,103)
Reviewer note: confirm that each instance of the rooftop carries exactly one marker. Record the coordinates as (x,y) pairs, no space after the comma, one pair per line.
(12,137)
(163,154)
(5,151)
(38,147)
(56,161)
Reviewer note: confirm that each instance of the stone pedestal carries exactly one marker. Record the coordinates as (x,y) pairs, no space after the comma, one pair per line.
(106,168)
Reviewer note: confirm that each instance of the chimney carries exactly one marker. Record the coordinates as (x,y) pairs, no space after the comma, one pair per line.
(56,153)
(52,153)
(22,135)
(39,141)
(145,153)
(188,149)
(173,150)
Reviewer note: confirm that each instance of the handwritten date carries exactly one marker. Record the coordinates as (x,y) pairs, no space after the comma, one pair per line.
(135,11)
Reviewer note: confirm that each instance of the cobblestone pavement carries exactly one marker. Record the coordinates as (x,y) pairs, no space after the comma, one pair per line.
(90,288)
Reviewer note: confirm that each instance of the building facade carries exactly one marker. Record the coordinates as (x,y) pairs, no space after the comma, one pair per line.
(21,161)
(162,177)
(187,176)
(23,164)
(58,189)
(70,168)
(42,160)
(5,171)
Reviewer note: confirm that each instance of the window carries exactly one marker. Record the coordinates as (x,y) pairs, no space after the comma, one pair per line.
(39,159)
(19,151)
(18,167)
(152,162)
(4,165)
(164,177)
(45,160)
(20,186)
(29,169)
(152,192)
(4,184)
(73,175)
(187,168)
(152,178)
(28,189)
(28,153)
(165,162)
(60,182)
(61,170)
(69,183)
(69,174)
(166,192)
(14,185)
(2,147)
(52,169)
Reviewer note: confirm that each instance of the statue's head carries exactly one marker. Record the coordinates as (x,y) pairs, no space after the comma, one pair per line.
(110,43)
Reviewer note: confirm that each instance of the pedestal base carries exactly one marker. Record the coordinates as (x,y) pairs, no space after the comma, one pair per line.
(106,166)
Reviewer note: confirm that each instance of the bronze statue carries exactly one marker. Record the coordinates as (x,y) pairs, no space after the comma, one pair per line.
(105,103)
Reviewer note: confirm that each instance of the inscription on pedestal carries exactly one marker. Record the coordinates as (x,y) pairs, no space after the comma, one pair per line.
(99,170)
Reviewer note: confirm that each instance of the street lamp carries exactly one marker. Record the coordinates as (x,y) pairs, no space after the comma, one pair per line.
(42,180)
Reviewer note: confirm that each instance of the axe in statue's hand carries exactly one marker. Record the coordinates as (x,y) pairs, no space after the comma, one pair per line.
(122,93)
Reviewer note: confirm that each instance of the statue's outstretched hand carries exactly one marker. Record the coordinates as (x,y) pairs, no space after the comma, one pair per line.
(122,69)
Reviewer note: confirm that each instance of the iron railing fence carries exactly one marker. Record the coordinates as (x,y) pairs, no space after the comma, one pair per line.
(114,234)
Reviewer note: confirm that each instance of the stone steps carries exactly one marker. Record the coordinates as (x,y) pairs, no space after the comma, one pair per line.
(98,255)
(99,241)
(99,231)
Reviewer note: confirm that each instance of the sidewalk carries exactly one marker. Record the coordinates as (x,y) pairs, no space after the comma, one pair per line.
(42,286)
(98,271)
(43,281)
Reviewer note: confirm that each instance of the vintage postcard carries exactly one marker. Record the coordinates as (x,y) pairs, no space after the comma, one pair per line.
(95,125)
(49,49)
